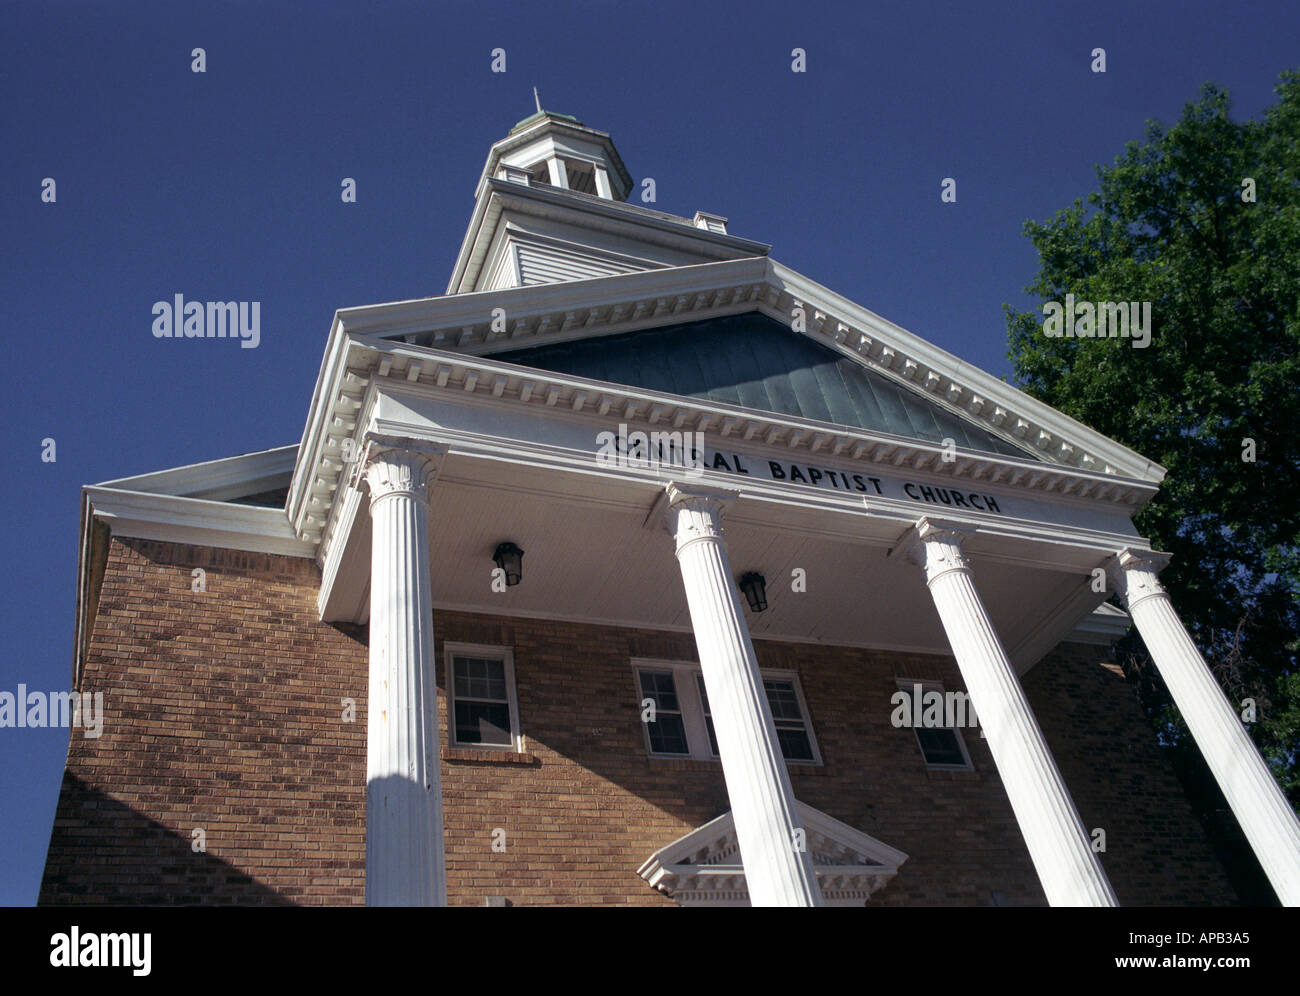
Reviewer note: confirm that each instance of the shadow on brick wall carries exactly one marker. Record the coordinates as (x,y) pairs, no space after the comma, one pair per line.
(152,865)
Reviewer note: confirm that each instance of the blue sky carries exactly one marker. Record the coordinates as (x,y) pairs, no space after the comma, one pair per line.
(225,185)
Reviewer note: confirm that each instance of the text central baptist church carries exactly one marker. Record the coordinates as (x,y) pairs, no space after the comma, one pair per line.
(600,580)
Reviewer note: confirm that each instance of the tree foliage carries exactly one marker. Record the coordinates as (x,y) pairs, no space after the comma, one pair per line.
(1169,225)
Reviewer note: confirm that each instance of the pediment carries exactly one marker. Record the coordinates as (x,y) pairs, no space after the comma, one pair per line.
(449,347)
(703,867)
(756,362)
(510,320)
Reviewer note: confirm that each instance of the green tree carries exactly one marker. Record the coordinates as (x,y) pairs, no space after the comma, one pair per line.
(1173,223)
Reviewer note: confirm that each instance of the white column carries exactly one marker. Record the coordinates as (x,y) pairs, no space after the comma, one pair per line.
(404,847)
(1060,848)
(558,174)
(778,872)
(1265,816)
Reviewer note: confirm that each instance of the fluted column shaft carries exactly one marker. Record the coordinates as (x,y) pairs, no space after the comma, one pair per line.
(1266,818)
(1060,848)
(778,871)
(404,845)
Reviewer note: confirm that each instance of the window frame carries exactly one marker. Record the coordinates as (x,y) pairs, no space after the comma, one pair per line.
(684,709)
(487,652)
(929,685)
(687,677)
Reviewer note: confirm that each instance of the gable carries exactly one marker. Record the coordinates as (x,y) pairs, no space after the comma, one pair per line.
(755,362)
(704,868)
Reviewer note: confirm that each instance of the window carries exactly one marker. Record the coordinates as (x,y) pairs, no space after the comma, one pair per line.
(668,730)
(787,714)
(683,719)
(482,709)
(936,722)
(708,714)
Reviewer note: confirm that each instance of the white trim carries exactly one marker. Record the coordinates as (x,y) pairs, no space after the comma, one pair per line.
(486,651)
(970,379)
(218,480)
(197,521)
(1040,525)
(692,718)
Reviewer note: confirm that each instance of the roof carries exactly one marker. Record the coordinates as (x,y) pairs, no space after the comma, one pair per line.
(538,115)
(754,361)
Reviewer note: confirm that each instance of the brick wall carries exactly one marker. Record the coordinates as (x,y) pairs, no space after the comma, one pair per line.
(224,712)
(1156,852)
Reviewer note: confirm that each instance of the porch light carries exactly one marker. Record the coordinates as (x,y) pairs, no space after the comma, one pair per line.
(755,588)
(510,559)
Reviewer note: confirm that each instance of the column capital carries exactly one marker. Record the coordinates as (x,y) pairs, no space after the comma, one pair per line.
(1135,574)
(694,512)
(399,466)
(677,492)
(935,545)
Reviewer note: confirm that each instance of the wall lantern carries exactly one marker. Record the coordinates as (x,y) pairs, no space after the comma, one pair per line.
(511,560)
(755,588)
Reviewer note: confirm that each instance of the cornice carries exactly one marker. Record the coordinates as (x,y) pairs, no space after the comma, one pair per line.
(955,383)
(198,521)
(228,477)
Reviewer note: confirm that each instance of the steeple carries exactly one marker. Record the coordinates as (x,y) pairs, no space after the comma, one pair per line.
(552,205)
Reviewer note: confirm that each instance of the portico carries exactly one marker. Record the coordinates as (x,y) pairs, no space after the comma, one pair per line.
(930,507)
(760,794)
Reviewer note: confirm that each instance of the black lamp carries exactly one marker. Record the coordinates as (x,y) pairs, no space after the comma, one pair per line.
(755,588)
(511,560)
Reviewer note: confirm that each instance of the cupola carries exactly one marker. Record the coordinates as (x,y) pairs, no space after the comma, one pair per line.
(559,151)
(552,205)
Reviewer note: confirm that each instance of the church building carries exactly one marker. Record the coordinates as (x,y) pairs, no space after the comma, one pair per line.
(639,569)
